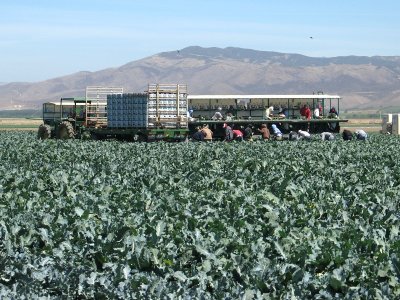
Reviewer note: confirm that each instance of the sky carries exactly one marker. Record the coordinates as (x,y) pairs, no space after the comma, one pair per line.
(44,39)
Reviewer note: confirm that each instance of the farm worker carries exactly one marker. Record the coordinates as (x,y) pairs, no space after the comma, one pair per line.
(327,136)
(218,114)
(198,136)
(307,113)
(347,135)
(248,132)
(277,133)
(229,117)
(293,136)
(302,110)
(190,114)
(319,105)
(228,132)
(268,112)
(316,113)
(264,132)
(208,134)
(237,135)
(333,113)
(284,113)
(361,135)
(304,135)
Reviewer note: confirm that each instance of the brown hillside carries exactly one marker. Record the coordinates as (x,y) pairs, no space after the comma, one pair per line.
(364,82)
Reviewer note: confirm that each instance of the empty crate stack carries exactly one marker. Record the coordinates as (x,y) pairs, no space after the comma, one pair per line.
(163,106)
(167,105)
(127,111)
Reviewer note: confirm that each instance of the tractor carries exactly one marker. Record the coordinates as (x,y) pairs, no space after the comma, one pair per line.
(63,120)
(68,118)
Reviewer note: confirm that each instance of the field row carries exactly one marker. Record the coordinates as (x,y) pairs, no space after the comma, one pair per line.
(312,220)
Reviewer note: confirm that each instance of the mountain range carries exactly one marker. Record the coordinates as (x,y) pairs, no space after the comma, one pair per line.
(363,82)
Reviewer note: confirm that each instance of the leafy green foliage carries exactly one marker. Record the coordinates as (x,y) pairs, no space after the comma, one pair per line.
(283,220)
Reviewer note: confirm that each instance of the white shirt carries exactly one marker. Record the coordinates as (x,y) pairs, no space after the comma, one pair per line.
(217,116)
(361,133)
(304,133)
(268,112)
(327,136)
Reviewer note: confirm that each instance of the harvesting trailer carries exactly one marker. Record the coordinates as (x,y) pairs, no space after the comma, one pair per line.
(158,114)
(285,112)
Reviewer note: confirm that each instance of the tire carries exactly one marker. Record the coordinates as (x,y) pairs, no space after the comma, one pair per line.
(86,135)
(65,131)
(44,132)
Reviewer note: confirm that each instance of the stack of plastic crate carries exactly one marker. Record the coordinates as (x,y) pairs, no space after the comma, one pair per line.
(127,110)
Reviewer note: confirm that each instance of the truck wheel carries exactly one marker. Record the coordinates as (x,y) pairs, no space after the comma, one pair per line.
(44,132)
(65,131)
(86,135)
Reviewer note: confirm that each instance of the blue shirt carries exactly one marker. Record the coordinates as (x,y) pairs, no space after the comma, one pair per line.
(276,130)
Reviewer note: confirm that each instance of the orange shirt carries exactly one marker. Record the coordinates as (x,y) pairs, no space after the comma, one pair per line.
(208,134)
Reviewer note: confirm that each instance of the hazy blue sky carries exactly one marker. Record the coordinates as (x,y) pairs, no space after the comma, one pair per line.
(42,39)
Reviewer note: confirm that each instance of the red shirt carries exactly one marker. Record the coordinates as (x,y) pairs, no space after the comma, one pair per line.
(237,133)
(307,113)
(265,133)
(302,111)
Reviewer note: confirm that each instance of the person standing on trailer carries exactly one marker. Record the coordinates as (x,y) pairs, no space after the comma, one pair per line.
(302,109)
(317,113)
(284,113)
(190,114)
(307,113)
(269,112)
(229,117)
(218,114)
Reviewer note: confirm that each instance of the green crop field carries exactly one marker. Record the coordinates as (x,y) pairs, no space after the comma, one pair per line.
(275,220)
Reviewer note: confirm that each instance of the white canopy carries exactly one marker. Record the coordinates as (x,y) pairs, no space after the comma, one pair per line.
(280,97)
